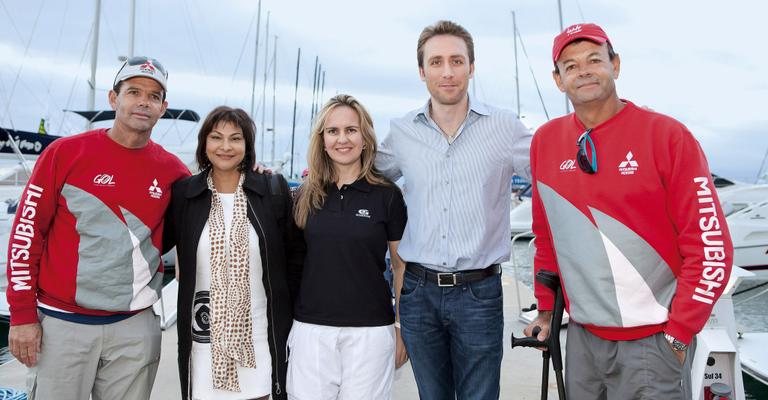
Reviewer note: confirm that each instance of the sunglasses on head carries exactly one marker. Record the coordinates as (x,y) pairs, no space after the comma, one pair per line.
(140,60)
(587,160)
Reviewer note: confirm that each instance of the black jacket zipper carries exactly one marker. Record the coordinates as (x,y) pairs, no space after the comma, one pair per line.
(265,262)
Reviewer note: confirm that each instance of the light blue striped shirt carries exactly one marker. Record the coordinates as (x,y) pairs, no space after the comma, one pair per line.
(458,194)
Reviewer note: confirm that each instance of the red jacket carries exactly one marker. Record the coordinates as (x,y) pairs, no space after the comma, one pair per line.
(87,235)
(642,245)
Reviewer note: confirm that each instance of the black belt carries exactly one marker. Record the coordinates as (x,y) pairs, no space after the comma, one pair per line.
(448,279)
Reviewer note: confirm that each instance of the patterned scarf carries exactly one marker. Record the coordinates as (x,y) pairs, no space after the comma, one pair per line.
(231,319)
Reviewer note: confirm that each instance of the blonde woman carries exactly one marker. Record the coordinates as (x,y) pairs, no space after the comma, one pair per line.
(239,260)
(343,341)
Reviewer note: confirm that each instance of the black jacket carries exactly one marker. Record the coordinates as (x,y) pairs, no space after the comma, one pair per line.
(282,253)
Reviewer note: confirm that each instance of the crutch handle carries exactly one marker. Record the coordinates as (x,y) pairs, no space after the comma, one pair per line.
(530,341)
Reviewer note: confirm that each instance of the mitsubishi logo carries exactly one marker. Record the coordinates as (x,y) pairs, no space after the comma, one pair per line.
(147,67)
(154,191)
(628,166)
(630,162)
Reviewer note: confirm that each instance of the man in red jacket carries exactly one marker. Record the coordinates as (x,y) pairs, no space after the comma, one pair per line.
(84,253)
(625,211)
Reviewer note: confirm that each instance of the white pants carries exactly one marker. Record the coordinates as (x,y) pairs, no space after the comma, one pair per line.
(328,362)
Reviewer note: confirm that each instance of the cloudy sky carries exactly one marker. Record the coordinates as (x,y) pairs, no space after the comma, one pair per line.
(702,62)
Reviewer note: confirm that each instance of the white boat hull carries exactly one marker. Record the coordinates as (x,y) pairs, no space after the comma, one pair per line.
(752,258)
(753,351)
(749,232)
(5,312)
(165,308)
(520,217)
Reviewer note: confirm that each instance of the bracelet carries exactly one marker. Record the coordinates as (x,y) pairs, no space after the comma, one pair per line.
(397,324)
(676,344)
(670,338)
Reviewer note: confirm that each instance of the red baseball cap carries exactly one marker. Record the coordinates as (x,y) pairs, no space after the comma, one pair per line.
(591,32)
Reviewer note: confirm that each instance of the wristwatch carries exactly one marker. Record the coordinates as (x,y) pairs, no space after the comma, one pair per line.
(676,344)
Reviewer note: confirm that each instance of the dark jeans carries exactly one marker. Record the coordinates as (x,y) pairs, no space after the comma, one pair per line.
(454,337)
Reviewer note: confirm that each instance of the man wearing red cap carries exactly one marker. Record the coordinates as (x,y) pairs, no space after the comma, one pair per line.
(634,229)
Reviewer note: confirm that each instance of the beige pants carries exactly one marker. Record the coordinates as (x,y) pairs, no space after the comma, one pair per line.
(108,362)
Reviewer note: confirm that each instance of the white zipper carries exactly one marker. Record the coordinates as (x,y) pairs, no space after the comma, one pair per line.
(189,374)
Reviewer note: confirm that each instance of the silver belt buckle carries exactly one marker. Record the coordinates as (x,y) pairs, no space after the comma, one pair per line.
(449,277)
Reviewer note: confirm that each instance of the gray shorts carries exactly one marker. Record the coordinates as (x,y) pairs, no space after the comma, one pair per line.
(113,361)
(602,369)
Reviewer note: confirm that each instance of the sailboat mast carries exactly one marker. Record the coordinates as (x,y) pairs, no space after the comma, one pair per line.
(295,100)
(315,86)
(264,89)
(322,87)
(560,13)
(255,59)
(131,28)
(517,77)
(274,89)
(94,58)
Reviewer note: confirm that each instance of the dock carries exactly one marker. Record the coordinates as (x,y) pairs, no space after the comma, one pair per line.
(520,368)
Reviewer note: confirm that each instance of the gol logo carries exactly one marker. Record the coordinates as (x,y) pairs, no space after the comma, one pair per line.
(104,180)
(568,165)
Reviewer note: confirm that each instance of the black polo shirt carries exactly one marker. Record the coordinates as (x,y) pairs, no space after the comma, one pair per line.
(343,283)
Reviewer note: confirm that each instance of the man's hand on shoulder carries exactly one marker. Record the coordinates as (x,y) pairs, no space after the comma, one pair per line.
(262,169)
(24,342)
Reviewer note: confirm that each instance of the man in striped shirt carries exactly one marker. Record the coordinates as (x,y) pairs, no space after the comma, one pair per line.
(457,157)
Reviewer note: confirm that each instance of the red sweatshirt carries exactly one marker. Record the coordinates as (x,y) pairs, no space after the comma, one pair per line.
(642,245)
(88,231)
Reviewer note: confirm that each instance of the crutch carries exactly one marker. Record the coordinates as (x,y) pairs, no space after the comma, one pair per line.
(552,343)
